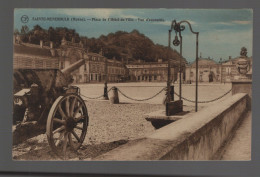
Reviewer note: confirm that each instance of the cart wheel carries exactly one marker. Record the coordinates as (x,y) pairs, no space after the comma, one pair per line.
(67,123)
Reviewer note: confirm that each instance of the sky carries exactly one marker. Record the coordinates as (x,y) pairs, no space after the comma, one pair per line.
(222,32)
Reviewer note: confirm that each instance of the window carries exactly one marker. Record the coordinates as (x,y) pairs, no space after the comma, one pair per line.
(228,70)
(91,77)
(155,77)
(85,67)
(138,78)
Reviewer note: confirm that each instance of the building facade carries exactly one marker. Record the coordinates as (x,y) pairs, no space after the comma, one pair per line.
(208,71)
(94,69)
(97,67)
(152,71)
(211,71)
(31,56)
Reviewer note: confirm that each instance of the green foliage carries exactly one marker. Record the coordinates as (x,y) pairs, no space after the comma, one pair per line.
(117,45)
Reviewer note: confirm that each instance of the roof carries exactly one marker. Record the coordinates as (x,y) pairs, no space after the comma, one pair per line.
(94,54)
(150,63)
(114,61)
(31,49)
(237,58)
(204,61)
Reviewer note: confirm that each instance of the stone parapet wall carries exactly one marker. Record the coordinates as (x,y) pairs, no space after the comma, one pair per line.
(197,137)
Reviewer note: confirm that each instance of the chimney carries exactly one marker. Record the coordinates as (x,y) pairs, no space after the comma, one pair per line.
(63,41)
(51,44)
(80,44)
(101,52)
(41,43)
(229,57)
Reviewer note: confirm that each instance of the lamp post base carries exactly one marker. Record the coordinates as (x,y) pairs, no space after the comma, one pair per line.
(105,98)
(174,107)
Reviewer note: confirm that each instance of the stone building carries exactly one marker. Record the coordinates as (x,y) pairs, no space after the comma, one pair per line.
(95,64)
(95,67)
(208,71)
(152,71)
(31,56)
(212,71)
(70,52)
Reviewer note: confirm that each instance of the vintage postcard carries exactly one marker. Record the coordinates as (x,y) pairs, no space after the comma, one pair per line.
(132,84)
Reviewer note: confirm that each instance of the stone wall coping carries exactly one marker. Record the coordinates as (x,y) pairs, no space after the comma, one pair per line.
(158,144)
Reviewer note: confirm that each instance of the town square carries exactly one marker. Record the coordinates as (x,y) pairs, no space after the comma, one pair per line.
(127,88)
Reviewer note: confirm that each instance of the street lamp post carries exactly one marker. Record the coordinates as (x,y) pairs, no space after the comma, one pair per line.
(105,96)
(178,28)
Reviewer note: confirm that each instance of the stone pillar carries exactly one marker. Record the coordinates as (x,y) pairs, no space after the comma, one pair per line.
(73,39)
(51,44)
(41,43)
(242,87)
(114,99)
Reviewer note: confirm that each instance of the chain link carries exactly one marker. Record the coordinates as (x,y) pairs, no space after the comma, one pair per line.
(134,99)
(215,99)
(163,89)
(97,96)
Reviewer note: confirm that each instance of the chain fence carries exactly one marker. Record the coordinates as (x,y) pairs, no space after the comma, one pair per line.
(95,97)
(215,99)
(149,98)
(145,99)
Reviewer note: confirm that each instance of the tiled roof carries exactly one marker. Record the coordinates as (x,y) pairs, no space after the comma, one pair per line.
(32,50)
(204,61)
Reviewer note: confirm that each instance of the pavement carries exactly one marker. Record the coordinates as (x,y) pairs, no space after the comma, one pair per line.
(239,148)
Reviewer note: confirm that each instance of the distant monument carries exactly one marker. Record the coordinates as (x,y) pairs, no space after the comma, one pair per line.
(242,84)
(243,65)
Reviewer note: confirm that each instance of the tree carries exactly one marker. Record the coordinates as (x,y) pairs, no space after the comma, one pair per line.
(24,30)
(16,31)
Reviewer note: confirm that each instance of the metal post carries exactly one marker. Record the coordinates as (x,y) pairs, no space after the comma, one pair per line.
(178,28)
(169,69)
(197,58)
(180,65)
(105,96)
(172,93)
